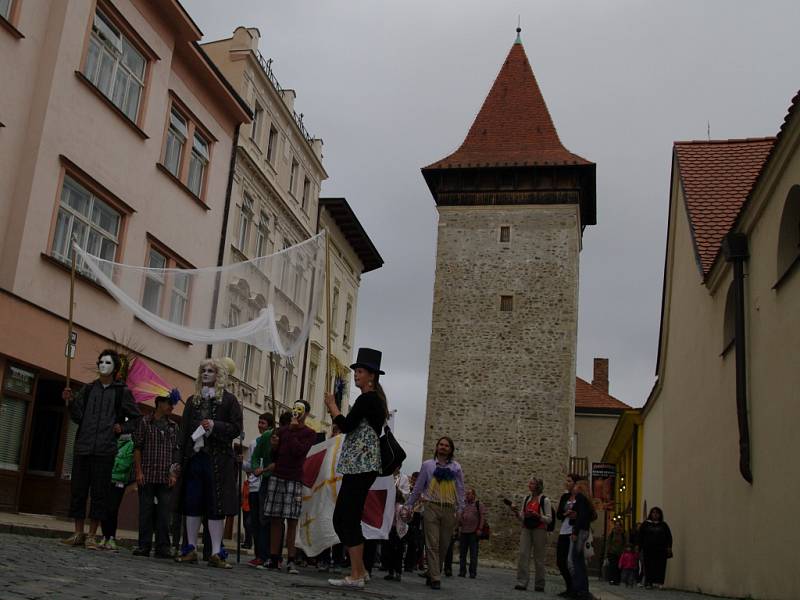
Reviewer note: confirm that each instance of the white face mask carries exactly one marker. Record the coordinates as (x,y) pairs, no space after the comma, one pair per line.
(105,365)
(208,376)
(298,410)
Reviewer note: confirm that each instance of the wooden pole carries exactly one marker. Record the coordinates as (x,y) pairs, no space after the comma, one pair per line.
(71,311)
(328,381)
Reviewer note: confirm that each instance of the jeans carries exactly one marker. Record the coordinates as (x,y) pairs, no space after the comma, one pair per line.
(468,542)
(148,494)
(577,563)
(562,560)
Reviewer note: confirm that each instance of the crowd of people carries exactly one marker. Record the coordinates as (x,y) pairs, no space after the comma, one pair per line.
(186,477)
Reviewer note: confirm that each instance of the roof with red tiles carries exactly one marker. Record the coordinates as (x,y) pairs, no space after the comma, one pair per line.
(717,177)
(589,397)
(513,127)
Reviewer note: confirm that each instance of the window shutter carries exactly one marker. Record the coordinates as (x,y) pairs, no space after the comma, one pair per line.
(12,426)
(69,447)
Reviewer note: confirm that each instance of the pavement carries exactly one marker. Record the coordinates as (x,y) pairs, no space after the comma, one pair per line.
(34,567)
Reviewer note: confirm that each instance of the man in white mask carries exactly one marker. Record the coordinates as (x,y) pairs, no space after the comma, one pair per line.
(204,464)
(100,409)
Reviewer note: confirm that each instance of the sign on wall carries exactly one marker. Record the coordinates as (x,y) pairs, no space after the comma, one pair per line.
(604,476)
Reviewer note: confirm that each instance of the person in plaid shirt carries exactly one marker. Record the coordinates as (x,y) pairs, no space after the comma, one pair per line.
(154,442)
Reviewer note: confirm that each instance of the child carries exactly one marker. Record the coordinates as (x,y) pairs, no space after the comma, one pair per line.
(628,563)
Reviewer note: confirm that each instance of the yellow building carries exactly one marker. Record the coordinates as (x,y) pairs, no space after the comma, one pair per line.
(719,454)
(624,451)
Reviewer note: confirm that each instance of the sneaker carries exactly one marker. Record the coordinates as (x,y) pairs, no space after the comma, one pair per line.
(218,562)
(76,539)
(291,569)
(346,582)
(367,577)
(91,543)
(187,555)
(112,545)
(256,562)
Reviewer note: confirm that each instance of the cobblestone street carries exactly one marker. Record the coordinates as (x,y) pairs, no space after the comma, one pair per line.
(32,568)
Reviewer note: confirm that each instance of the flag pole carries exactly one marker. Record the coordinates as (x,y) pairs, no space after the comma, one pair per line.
(328,382)
(71,312)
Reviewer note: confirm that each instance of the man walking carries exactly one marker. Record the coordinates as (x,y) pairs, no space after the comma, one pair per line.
(154,442)
(284,498)
(100,409)
(535,516)
(255,466)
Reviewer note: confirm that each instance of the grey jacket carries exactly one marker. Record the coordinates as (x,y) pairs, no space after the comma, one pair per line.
(94,409)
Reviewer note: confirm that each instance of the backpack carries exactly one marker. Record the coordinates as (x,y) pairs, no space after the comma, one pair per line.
(552,524)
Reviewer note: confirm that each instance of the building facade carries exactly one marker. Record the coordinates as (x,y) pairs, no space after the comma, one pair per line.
(117,131)
(719,424)
(512,204)
(275,194)
(352,254)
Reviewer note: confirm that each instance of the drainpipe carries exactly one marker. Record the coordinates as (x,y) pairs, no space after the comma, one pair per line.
(734,247)
(224,235)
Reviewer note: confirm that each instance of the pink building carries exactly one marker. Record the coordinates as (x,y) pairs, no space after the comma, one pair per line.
(117,129)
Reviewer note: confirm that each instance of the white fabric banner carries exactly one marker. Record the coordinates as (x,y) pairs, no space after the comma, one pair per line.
(321,485)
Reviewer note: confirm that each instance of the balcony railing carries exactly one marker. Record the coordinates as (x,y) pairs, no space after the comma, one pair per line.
(266,66)
(579,465)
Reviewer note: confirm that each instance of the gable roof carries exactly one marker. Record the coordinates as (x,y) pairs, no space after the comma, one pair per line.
(590,398)
(717,177)
(513,127)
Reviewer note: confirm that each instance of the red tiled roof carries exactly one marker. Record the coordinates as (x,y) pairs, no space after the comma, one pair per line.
(588,396)
(513,126)
(717,177)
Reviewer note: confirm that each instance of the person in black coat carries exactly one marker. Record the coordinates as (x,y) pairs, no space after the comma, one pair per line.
(655,544)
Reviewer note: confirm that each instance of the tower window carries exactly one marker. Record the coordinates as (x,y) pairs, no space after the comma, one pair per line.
(505,233)
(506,303)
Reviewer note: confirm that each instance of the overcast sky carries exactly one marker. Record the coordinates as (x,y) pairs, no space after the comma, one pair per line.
(393,86)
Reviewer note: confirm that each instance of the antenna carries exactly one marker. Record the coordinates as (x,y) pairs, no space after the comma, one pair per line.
(708,130)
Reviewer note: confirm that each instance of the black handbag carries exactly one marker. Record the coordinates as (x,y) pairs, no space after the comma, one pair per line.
(392,453)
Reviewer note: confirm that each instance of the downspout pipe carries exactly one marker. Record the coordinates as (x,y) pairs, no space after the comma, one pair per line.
(223,238)
(734,248)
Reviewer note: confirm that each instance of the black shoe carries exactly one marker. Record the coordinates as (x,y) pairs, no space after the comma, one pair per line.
(462,574)
(538,589)
(448,573)
(436,585)
(398,577)
(141,552)
(472,575)
(389,577)
(565,594)
(519,587)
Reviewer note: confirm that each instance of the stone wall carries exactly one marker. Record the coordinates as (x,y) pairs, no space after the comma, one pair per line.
(502,383)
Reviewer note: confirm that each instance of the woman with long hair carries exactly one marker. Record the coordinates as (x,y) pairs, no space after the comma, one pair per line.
(440,485)
(359,460)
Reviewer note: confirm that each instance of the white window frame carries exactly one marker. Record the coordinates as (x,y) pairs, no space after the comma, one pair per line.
(262,235)
(108,43)
(154,280)
(272,144)
(89,228)
(198,163)
(177,134)
(245,220)
(293,176)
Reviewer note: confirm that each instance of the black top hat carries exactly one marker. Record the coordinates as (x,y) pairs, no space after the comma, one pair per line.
(368,359)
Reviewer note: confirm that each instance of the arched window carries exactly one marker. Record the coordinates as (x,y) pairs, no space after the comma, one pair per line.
(789,234)
(729,324)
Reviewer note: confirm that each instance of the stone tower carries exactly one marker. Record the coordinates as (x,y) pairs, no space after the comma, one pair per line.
(512,204)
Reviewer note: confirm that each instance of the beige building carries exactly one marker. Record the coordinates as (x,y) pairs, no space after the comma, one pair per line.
(275,194)
(352,254)
(719,451)
(117,130)
(512,205)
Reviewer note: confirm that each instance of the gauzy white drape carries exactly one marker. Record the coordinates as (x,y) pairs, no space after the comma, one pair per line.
(268,302)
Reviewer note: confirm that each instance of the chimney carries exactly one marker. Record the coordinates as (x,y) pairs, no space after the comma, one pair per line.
(600,376)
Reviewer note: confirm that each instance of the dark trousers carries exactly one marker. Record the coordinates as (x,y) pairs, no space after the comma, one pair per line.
(414,542)
(259,530)
(350,506)
(109,524)
(392,558)
(448,557)
(90,475)
(612,569)
(562,559)
(148,494)
(468,542)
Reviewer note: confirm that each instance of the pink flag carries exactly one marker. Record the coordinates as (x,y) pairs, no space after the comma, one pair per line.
(144,383)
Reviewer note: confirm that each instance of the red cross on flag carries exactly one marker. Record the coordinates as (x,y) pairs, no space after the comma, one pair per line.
(321,485)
